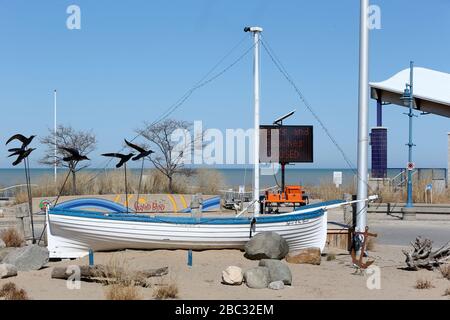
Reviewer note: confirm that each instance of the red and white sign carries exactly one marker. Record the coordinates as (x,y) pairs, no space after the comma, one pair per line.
(410,166)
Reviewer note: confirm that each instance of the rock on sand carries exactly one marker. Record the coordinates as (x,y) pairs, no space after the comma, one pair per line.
(266,245)
(278,270)
(232,275)
(276,285)
(27,258)
(7,270)
(305,256)
(257,277)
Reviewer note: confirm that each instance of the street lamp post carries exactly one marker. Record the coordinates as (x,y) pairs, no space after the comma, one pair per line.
(408,100)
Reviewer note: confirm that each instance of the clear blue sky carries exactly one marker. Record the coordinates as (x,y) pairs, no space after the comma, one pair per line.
(133,59)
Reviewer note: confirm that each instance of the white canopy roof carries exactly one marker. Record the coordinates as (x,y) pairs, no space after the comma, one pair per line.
(431,90)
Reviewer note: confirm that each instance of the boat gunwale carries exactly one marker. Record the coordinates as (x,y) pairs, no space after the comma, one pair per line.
(132,217)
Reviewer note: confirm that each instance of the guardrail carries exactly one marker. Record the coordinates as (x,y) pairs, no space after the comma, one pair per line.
(421,208)
(9,192)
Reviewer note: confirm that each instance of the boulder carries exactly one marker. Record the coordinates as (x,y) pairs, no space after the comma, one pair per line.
(276,285)
(266,245)
(7,270)
(278,270)
(2,244)
(4,252)
(28,258)
(305,256)
(232,275)
(257,277)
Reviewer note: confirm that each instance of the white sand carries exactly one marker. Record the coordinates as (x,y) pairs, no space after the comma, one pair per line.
(330,280)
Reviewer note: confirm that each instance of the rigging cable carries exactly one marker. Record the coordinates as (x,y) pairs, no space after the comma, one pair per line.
(286,75)
(199,84)
(284,72)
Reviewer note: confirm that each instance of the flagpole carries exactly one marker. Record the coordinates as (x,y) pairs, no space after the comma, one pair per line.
(54,132)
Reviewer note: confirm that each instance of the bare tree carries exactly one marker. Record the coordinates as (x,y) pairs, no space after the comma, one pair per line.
(66,136)
(170,156)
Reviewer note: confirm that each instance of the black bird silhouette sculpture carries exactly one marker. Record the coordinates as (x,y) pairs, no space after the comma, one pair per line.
(142,155)
(74,155)
(22,154)
(124,158)
(25,141)
(142,152)
(15,151)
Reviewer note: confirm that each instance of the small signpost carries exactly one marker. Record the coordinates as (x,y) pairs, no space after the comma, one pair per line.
(429,190)
(410,166)
(337,178)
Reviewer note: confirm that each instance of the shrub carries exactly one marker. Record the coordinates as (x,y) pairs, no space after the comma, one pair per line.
(423,284)
(445,271)
(121,286)
(122,292)
(9,291)
(12,238)
(169,291)
(331,257)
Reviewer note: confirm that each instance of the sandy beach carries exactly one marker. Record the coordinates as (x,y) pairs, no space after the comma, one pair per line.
(331,280)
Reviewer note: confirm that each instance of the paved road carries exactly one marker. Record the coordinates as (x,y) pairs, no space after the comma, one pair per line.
(401,233)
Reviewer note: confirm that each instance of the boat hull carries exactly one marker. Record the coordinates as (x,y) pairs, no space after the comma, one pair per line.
(71,234)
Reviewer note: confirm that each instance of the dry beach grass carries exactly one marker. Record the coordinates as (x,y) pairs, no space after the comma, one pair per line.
(12,238)
(9,291)
(112,182)
(120,285)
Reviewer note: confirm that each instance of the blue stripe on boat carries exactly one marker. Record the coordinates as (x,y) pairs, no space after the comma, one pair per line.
(184,220)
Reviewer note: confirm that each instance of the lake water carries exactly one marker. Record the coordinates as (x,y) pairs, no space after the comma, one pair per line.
(233,177)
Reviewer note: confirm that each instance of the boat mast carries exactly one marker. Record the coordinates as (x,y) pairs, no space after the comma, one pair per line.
(256,33)
(363,116)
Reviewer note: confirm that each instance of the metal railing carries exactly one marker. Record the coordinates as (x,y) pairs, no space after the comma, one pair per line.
(11,191)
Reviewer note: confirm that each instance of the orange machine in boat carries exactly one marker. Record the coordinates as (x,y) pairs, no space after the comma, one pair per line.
(293,196)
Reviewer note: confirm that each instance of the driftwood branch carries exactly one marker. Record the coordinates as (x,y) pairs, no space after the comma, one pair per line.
(103,274)
(422,255)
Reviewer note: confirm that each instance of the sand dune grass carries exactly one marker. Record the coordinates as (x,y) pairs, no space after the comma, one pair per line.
(205,181)
(9,291)
(445,271)
(120,284)
(12,238)
(169,291)
(423,284)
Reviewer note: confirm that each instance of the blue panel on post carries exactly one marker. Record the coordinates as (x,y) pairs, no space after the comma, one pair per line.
(378,138)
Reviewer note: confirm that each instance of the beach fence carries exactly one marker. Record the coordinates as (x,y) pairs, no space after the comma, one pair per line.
(8,193)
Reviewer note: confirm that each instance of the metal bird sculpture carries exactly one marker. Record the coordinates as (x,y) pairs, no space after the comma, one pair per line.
(74,155)
(124,158)
(142,152)
(142,155)
(15,151)
(22,155)
(25,141)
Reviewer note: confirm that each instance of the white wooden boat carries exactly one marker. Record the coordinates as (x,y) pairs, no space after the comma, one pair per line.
(72,232)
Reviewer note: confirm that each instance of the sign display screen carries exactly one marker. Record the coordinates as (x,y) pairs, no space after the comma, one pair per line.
(295,143)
